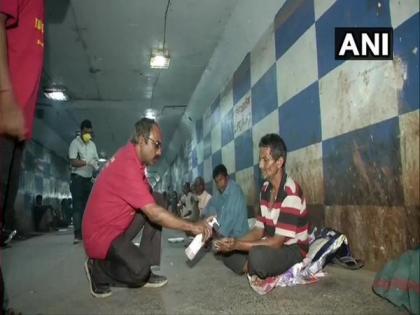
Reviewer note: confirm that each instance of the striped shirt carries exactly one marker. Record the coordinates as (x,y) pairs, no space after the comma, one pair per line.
(287,216)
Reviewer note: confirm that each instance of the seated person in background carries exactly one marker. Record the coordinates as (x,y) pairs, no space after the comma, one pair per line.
(46,222)
(228,205)
(173,203)
(37,212)
(186,202)
(202,197)
(280,237)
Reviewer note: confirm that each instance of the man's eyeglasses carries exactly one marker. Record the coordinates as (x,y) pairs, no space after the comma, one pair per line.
(156,143)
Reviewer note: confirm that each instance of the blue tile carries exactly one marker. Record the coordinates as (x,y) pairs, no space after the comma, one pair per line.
(209,187)
(292,20)
(244,156)
(258,179)
(194,157)
(207,146)
(242,79)
(406,37)
(200,170)
(300,119)
(215,116)
(344,13)
(227,128)
(199,129)
(363,167)
(215,110)
(264,95)
(216,158)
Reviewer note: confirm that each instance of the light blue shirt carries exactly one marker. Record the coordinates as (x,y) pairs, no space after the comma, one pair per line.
(230,209)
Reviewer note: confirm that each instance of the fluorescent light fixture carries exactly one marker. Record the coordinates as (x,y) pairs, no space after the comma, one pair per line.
(160,59)
(56,94)
(102,160)
(150,113)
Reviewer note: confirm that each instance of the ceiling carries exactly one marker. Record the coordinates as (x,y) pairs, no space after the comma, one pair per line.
(99,51)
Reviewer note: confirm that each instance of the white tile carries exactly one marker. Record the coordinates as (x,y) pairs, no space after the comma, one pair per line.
(207,121)
(194,136)
(409,141)
(357,94)
(263,55)
(321,6)
(401,10)
(306,168)
(207,170)
(298,67)
(270,124)
(242,115)
(245,179)
(216,137)
(226,100)
(200,153)
(228,157)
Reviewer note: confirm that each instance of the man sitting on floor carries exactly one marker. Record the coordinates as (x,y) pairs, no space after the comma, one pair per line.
(202,197)
(228,205)
(280,237)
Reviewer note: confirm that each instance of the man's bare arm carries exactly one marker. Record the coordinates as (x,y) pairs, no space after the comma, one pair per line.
(12,122)
(161,216)
(77,163)
(244,244)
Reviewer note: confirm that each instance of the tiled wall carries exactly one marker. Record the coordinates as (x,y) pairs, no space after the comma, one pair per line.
(43,173)
(352,128)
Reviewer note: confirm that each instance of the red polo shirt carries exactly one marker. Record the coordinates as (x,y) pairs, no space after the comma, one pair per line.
(25,42)
(120,190)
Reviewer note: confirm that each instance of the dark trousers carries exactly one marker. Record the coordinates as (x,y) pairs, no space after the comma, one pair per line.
(80,188)
(11,152)
(126,264)
(264,261)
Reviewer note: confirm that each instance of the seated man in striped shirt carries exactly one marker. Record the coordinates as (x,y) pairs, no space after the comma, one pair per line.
(280,237)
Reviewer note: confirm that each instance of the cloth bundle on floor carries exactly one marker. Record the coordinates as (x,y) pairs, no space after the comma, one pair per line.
(327,246)
(399,281)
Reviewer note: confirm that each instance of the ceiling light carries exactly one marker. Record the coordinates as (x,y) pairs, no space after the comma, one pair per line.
(150,113)
(56,94)
(160,59)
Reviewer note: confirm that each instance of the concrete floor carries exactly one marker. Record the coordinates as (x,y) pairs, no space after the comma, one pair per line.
(44,275)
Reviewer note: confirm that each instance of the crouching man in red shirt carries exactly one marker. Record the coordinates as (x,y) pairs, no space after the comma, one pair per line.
(119,206)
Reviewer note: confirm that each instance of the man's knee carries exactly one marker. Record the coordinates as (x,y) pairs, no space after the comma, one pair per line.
(257,261)
(235,262)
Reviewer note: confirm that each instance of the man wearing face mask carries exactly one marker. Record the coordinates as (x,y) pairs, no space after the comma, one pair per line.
(83,160)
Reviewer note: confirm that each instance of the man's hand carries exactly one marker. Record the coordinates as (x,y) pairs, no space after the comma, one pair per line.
(94,163)
(202,227)
(12,122)
(225,245)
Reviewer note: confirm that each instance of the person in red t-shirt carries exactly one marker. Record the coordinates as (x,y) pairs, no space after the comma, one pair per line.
(21,62)
(120,205)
